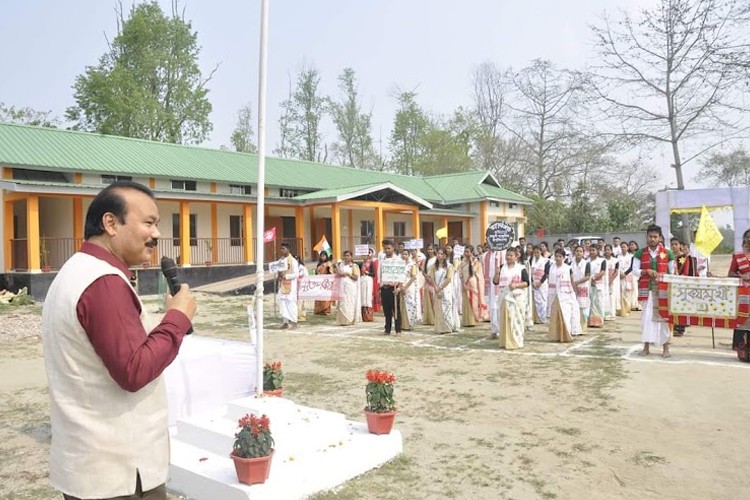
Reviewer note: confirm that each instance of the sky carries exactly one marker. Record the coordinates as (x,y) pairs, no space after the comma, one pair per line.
(431,46)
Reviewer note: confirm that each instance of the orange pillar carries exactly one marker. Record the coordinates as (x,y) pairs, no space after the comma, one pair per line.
(32,233)
(77,222)
(78,177)
(350,236)
(214,232)
(379,228)
(185,234)
(247,234)
(483,222)
(7,231)
(415,222)
(152,183)
(336,228)
(299,223)
(467,222)
(7,173)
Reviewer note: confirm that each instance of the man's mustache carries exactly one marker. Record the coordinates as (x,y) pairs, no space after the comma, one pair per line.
(152,243)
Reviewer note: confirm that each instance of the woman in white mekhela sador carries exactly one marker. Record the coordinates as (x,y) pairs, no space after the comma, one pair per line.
(349,305)
(582,283)
(628,285)
(301,304)
(598,292)
(613,277)
(367,284)
(458,288)
(635,304)
(472,283)
(411,312)
(442,275)
(428,292)
(419,259)
(512,279)
(525,261)
(539,269)
(564,314)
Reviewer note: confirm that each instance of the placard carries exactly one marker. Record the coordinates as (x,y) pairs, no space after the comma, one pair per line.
(392,270)
(318,287)
(277,265)
(361,250)
(417,244)
(458,251)
(698,301)
(500,235)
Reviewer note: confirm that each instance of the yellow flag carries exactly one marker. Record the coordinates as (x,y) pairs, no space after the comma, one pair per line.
(442,233)
(708,236)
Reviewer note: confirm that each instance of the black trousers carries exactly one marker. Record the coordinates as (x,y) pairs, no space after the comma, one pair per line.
(390,302)
(158,493)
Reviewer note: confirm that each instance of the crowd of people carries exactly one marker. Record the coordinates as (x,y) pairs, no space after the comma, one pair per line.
(566,287)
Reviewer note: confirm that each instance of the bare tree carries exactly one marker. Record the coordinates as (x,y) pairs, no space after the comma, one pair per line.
(302,113)
(354,126)
(669,74)
(545,115)
(730,169)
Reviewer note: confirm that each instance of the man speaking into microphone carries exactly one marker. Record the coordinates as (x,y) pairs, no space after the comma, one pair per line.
(105,361)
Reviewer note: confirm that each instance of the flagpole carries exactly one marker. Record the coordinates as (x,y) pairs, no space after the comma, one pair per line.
(260,206)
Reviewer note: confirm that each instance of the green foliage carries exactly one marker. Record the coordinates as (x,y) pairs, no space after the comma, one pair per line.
(410,125)
(273,376)
(148,85)
(26,116)
(242,135)
(302,113)
(354,126)
(254,437)
(551,215)
(731,169)
(379,391)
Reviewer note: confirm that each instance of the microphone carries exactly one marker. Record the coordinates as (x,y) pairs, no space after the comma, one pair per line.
(169,270)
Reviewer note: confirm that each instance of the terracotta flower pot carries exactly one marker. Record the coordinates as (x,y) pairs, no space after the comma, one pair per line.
(252,470)
(275,392)
(380,423)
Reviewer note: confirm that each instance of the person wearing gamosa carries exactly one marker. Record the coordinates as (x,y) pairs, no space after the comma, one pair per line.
(472,285)
(441,274)
(648,264)
(493,261)
(513,280)
(428,292)
(740,268)
(599,290)
(407,295)
(582,284)
(288,289)
(539,274)
(348,310)
(613,280)
(104,358)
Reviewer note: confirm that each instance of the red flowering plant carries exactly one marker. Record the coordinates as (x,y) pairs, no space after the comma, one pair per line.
(380,392)
(254,437)
(273,376)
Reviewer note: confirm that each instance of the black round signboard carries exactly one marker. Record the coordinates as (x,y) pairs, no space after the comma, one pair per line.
(500,235)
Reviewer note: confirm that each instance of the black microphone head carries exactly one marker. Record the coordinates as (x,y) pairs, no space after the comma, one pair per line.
(168,267)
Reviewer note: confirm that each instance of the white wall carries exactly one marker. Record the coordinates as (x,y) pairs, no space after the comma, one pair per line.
(56,217)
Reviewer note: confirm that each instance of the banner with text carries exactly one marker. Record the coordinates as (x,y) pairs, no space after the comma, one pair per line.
(689,300)
(318,287)
(392,270)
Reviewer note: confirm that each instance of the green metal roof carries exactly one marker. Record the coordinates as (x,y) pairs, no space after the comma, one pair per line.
(72,151)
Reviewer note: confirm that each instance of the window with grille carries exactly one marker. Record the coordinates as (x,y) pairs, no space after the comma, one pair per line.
(184,185)
(110,179)
(240,189)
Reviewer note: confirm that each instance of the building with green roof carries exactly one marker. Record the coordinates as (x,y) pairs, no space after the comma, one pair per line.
(207,200)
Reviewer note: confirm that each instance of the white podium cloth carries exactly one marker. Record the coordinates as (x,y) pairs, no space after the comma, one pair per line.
(208,373)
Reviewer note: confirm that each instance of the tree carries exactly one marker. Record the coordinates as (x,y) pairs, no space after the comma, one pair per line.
(26,116)
(731,169)
(445,146)
(148,85)
(410,125)
(302,113)
(354,126)
(545,115)
(670,74)
(242,136)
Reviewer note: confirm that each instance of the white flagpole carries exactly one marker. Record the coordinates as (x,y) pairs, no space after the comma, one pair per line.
(260,207)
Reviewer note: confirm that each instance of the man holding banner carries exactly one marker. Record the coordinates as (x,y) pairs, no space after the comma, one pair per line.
(648,264)
(390,275)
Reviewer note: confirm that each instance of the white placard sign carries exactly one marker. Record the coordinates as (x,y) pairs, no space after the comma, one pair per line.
(319,287)
(392,270)
(361,250)
(694,296)
(458,251)
(277,265)
(418,244)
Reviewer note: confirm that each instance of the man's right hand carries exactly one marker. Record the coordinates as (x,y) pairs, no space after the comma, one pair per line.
(183,301)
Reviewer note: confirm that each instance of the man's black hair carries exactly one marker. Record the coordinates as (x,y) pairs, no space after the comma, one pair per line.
(110,200)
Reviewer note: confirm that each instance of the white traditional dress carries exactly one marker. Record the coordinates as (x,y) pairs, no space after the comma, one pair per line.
(654,328)
(411,307)
(628,285)
(288,290)
(512,306)
(349,310)
(564,314)
(541,293)
(301,304)
(491,264)
(444,309)
(582,290)
(614,287)
(599,293)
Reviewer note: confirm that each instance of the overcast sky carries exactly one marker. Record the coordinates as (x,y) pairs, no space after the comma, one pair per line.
(431,46)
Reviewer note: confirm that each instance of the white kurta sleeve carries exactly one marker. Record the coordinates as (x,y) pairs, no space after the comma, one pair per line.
(636,268)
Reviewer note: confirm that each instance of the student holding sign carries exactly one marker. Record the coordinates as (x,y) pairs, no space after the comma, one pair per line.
(389,281)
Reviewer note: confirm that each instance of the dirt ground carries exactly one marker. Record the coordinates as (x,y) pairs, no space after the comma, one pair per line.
(552,421)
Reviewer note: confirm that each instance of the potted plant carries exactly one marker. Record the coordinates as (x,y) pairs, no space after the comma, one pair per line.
(273,378)
(381,407)
(253,449)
